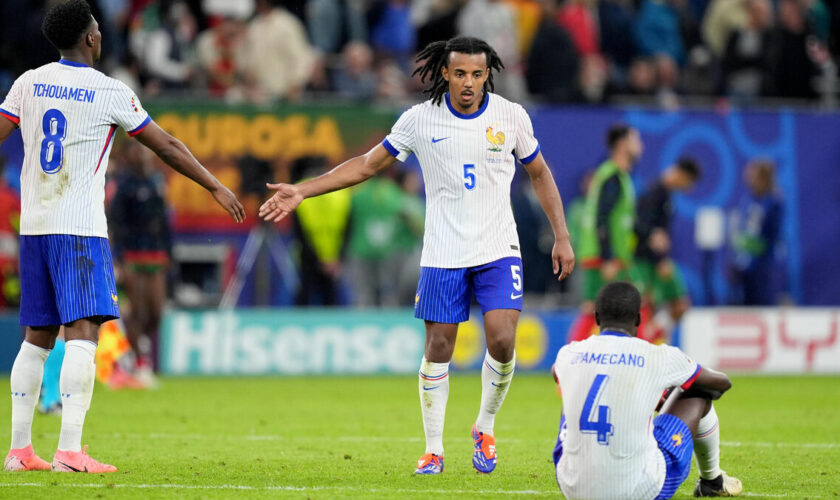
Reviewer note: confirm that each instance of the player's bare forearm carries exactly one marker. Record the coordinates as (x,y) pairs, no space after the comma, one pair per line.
(711,383)
(6,129)
(563,256)
(548,195)
(353,171)
(175,154)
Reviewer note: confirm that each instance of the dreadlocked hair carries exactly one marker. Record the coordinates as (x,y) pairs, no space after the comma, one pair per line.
(436,56)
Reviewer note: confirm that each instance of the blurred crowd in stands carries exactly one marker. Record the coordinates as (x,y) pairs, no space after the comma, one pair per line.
(579,51)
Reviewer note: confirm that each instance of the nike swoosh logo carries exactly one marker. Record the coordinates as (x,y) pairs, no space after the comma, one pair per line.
(430,388)
(72,468)
(435,141)
(514,296)
(497,385)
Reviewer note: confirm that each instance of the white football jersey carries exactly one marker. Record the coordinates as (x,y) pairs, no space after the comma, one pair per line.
(67,113)
(468,164)
(611,384)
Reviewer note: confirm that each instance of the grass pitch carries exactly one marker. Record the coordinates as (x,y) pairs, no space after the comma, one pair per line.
(360,437)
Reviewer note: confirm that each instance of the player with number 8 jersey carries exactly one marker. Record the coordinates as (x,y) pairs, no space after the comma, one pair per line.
(68,113)
(468,141)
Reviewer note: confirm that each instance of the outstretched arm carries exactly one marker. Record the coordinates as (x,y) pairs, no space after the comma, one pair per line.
(562,255)
(349,173)
(176,155)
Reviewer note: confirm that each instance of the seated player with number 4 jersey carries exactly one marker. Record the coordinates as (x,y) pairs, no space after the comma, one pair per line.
(610,446)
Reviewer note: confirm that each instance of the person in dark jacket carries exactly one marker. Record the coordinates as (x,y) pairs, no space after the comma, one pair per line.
(756,228)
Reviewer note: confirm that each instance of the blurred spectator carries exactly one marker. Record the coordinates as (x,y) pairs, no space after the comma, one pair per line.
(792,70)
(745,65)
(141,240)
(819,18)
(553,62)
(658,30)
(377,242)
(494,21)
(409,235)
(578,18)
(615,19)
(641,78)
(391,32)
(655,272)
(9,229)
(330,22)
(128,71)
(593,79)
(435,20)
(220,55)
(723,17)
(755,230)
(392,82)
(320,227)
(166,51)
(278,57)
(355,78)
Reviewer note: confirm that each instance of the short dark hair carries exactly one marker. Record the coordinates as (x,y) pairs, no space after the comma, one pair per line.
(690,167)
(66,22)
(618,303)
(616,133)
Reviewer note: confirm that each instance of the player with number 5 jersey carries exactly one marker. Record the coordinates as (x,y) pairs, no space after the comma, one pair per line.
(68,114)
(468,141)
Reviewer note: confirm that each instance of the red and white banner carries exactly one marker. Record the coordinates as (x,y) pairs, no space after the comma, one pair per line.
(771,340)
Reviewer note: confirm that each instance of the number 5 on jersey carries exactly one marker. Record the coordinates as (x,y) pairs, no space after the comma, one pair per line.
(469,176)
(595,419)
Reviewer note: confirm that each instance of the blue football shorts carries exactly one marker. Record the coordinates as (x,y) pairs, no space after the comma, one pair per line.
(444,295)
(676,444)
(65,277)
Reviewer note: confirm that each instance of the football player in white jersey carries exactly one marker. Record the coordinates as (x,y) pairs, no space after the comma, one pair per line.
(609,445)
(67,113)
(468,141)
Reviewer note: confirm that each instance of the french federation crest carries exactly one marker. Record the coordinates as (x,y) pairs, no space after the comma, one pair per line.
(496,140)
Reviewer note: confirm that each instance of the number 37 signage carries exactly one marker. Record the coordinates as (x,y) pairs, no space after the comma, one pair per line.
(773,340)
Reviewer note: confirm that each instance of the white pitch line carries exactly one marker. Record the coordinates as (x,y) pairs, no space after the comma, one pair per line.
(404,439)
(778,495)
(766,444)
(339,488)
(285,488)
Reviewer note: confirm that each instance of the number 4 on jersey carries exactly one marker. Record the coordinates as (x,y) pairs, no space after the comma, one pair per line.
(600,425)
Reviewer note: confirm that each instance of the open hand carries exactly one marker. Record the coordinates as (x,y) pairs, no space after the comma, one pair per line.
(281,204)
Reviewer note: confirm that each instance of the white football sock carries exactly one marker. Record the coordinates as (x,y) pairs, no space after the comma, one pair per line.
(434,392)
(77,375)
(27,372)
(707,445)
(495,382)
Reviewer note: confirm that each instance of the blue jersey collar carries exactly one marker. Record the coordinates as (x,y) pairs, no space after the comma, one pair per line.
(614,333)
(72,63)
(471,115)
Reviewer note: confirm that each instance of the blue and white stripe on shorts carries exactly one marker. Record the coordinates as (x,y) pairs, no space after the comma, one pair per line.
(676,444)
(64,278)
(444,295)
